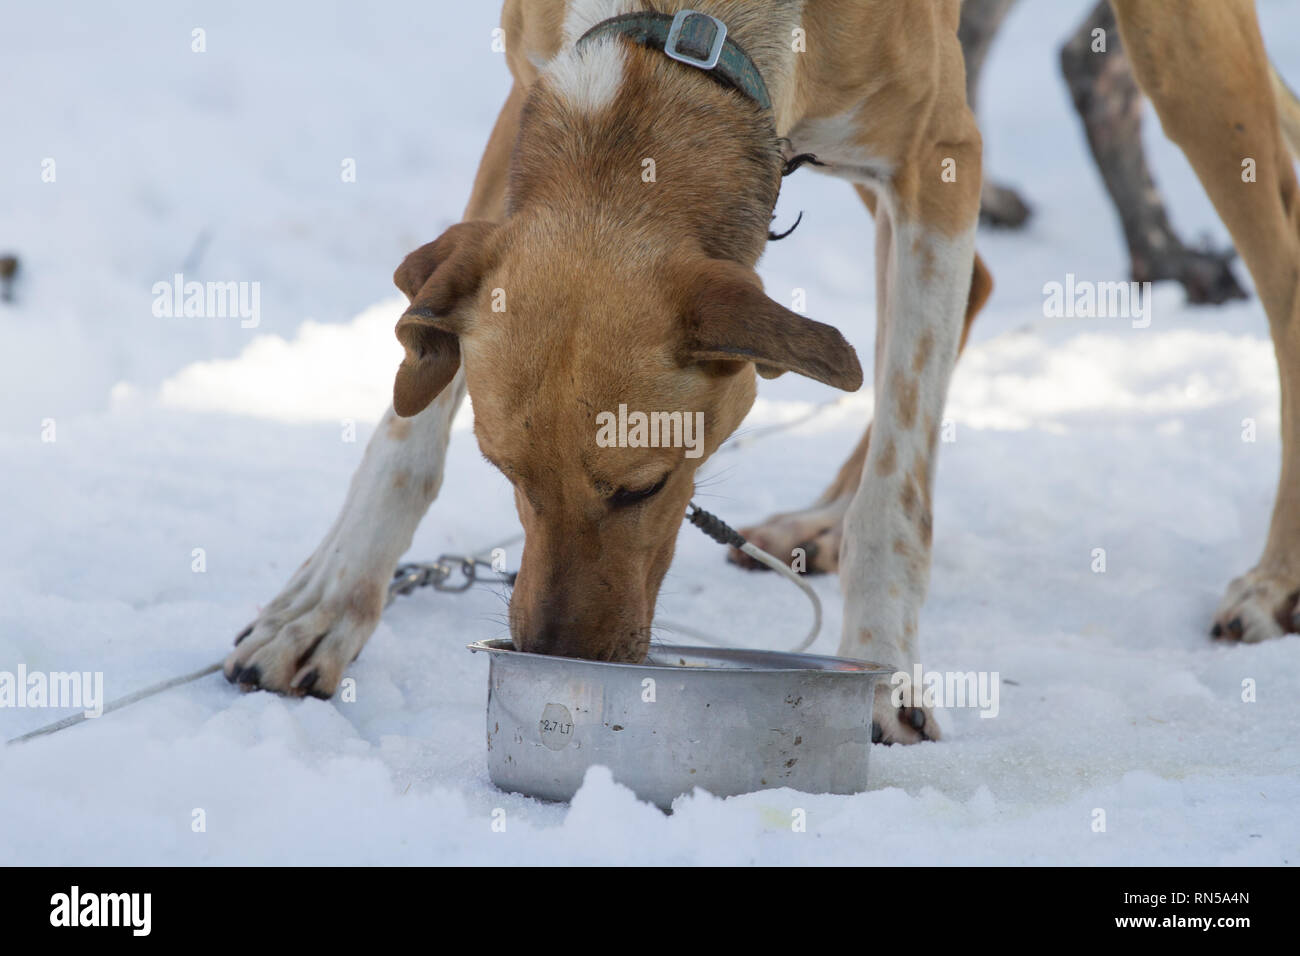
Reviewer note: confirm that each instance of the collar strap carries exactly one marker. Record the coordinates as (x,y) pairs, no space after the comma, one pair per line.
(695,39)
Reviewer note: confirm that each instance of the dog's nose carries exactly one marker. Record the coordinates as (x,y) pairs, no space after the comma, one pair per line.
(554,638)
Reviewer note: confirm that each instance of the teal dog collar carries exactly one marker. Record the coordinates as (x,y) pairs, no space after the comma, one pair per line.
(695,39)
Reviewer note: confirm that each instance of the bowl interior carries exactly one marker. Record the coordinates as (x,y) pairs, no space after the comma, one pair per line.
(676,656)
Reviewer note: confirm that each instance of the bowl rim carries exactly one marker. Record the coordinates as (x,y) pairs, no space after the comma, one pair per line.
(780,660)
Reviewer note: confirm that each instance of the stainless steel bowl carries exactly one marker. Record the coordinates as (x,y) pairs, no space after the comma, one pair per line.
(727,721)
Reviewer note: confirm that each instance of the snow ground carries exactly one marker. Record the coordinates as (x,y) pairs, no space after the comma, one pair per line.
(175,434)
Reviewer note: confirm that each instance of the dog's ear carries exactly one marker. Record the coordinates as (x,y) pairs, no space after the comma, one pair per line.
(729,319)
(437,277)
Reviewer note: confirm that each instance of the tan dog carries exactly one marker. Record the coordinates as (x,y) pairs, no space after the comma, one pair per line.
(576,286)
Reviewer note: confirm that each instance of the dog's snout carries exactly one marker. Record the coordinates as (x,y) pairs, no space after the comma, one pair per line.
(586,588)
(555,638)
(608,630)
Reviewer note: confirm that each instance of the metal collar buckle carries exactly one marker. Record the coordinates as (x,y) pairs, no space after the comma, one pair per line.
(695,41)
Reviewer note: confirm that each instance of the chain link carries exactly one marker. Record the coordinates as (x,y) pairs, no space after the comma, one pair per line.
(441,575)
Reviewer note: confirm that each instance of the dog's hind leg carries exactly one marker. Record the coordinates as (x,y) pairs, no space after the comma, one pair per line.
(1203,65)
(304,639)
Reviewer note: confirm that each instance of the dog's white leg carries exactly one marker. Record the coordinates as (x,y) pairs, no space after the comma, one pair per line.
(926,212)
(316,626)
(915,144)
(818,530)
(885,553)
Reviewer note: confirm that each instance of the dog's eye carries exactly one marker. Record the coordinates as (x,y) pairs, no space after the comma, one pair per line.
(625,497)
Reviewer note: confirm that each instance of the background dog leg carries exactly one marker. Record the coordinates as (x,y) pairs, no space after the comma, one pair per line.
(304,639)
(1000,205)
(1206,71)
(1109,102)
(816,530)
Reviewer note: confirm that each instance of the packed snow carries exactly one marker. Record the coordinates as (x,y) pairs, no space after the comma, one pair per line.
(128,440)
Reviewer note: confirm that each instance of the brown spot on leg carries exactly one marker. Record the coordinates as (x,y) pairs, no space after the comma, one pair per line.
(908,497)
(924,253)
(923,350)
(888,460)
(916,500)
(906,394)
(365,603)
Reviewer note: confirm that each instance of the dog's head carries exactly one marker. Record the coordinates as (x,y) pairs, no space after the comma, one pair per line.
(592,365)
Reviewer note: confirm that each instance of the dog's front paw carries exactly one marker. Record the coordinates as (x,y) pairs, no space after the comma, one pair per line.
(304,639)
(1259,605)
(901,725)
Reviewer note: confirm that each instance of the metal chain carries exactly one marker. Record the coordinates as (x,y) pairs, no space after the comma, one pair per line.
(411,575)
(435,574)
(438,575)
